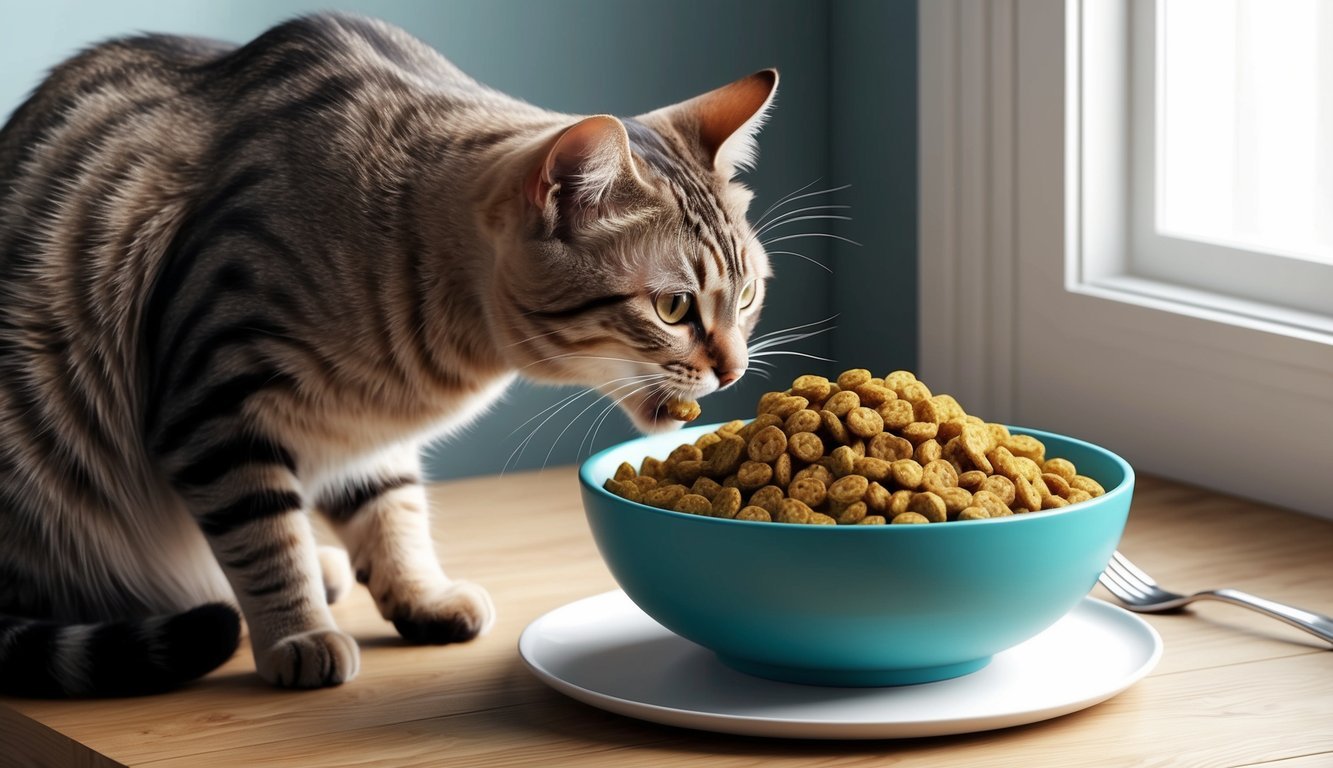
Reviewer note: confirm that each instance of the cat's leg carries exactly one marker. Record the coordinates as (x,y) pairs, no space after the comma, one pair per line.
(380,512)
(242,490)
(336,571)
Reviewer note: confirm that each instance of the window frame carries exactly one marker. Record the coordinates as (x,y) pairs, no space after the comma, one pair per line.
(1024,314)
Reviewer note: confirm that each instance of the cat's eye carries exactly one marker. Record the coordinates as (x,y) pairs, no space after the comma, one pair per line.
(747,294)
(672,307)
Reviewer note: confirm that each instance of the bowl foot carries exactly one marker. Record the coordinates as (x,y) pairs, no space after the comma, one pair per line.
(853,678)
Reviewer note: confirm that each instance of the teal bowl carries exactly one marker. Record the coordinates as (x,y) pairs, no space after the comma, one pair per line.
(856,605)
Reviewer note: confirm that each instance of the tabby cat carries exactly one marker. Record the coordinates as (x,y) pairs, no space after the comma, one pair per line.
(239,284)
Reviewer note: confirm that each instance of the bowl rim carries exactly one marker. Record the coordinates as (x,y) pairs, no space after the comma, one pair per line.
(1126,486)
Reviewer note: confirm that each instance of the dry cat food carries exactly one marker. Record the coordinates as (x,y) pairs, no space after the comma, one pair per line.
(861,450)
(683,410)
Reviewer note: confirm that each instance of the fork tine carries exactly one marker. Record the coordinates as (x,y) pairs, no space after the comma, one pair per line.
(1125,589)
(1114,588)
(1116,569)
(1133,570)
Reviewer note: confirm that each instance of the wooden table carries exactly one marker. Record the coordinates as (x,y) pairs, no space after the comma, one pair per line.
(1232,688)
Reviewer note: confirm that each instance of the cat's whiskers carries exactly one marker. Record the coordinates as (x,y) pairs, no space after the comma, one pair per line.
(763,346)
(762,366)
(790,216)
(575,356)
(641,386)
(811,217)
(638,387)
(791,198)
(517,453)
(543,411)
(779,352)
(776,340)
(574,396)
(803,256)
(757,341)
(763,216)
(813,328)
(764,373)
(757,237)
(533,338)
(765,223)
(600,419)
(776,331)
(766,243)
(782,217)
(590,436)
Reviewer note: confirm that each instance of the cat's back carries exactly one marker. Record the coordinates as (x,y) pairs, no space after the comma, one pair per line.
(102,165)
(89,96)
(126,144)
(131,79)
(323,44)
(160,97)
(96,168)
(136,148)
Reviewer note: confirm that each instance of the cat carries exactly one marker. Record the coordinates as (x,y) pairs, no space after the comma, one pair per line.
(242,284)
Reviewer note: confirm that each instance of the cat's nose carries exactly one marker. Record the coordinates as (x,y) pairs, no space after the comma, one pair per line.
(727,377)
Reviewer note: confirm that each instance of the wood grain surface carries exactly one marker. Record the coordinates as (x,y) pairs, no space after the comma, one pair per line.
(1233,688)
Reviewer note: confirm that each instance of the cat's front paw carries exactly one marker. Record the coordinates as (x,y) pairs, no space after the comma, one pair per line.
(455,614)
(315,659)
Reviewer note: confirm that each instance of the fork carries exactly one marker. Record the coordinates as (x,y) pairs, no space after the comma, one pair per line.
(1140,593)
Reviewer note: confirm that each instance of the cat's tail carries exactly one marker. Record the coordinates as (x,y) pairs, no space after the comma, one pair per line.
(122,658)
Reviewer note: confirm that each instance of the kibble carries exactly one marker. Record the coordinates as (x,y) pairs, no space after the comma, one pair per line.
(808,491)
(694,504)
(909,518)
(727,503)
(857,450)
(851,514)
(806,446)
(706,487)
(811,387)
(848,489)
(929,506)
(768,444)
(756,514)
(907,473)
(896,414)
(753,475)
(683,410)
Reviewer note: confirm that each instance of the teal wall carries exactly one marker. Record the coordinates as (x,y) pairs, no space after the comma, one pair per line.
(845,113)
(873,140)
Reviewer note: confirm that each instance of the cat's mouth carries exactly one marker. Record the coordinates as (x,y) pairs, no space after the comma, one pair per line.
(649,412)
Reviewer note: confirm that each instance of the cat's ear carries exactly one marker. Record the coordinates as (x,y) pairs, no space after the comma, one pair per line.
(577,177)
(725,121)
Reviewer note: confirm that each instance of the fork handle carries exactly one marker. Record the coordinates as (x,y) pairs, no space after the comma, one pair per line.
(1317,624)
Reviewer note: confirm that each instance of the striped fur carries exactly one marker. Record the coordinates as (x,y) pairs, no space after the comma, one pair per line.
(239,284)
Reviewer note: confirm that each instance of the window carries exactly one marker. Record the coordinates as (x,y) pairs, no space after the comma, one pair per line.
(1244,124)
(1124,229)
(1232,104)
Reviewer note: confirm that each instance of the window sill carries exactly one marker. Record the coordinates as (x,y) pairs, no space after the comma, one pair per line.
(1210,306)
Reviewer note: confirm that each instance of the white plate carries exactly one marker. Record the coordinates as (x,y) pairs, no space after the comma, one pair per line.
(604,651)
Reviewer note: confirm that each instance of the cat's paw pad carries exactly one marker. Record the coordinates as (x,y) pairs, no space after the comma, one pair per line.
(336,571)
(315,659)
(457,613)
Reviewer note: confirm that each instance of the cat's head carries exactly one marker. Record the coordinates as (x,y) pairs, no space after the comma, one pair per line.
(638,273)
